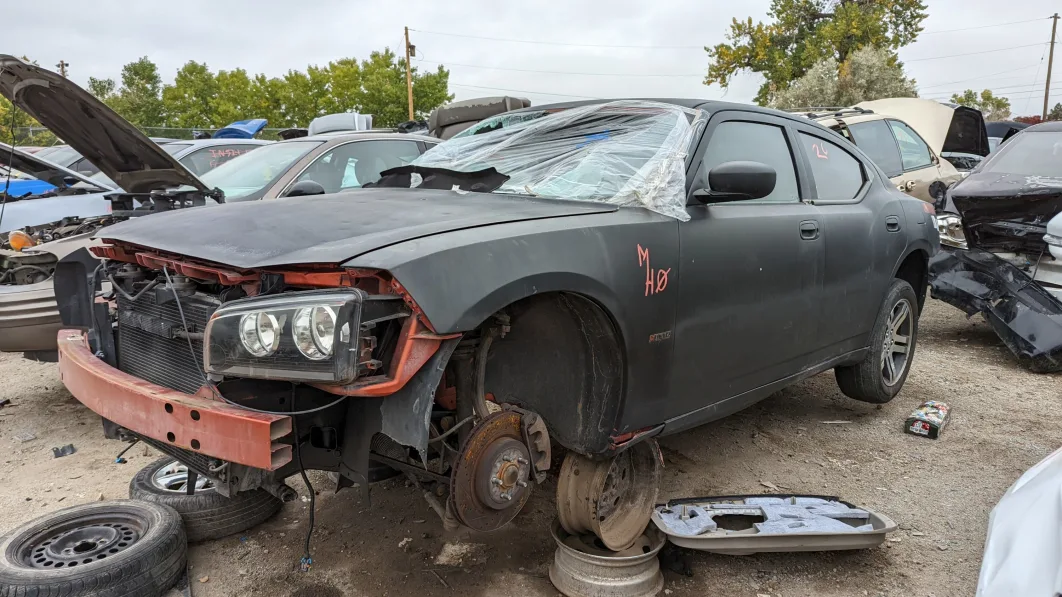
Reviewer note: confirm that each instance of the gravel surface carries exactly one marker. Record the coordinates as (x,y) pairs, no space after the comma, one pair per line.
(1004,420)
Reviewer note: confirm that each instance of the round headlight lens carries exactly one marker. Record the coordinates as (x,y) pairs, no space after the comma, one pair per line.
(260,334)
(314,329)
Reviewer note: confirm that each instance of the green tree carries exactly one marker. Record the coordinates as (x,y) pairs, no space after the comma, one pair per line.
(868,74)
(305,95)
(234,97)
(992,107)
(383,81)
(103,89)
(1055,113)
(189,102)
(802,33)
(139,100)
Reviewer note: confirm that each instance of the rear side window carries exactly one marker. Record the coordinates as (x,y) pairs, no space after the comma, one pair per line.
(735,141)
(838,176)
(913,149)
(875,139)
(208,158)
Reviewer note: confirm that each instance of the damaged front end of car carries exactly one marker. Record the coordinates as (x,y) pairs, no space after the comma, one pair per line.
(1009,272)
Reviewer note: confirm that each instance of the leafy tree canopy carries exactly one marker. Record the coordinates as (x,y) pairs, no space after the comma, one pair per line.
(991,107)
(802,33)
(868,74)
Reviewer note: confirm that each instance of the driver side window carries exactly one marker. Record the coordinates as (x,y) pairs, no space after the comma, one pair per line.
(734,141)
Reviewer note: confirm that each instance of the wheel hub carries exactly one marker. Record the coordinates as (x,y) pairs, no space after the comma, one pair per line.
(490,482)
(81,545)
(174,477)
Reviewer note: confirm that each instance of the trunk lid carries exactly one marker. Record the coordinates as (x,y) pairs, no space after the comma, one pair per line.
(947,129)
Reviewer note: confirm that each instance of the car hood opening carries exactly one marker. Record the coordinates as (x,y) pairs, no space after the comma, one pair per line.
(946,128)
(115,146)
(53,174)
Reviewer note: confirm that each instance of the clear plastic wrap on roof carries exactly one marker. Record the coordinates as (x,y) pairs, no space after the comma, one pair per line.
(628,153)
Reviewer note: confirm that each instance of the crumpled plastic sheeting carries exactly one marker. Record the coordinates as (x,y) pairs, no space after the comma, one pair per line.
(627,153)
(782,516)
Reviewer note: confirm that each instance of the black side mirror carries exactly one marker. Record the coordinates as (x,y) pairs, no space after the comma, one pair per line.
(738,181)
(305,187)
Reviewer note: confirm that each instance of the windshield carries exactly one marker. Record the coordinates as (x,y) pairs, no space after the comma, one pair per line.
(628,152)
(247,177)
(64,155)
(1028,154)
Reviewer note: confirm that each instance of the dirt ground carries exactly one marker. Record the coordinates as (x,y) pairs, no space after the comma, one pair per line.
(940,492)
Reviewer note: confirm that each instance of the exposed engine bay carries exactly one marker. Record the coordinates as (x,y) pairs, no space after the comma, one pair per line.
(21,264)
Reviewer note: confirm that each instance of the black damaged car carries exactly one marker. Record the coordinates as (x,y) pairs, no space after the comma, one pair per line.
(995,260)
(588,276)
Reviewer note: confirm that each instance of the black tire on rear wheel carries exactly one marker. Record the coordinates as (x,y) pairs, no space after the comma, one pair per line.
(207,514)
(118,548)
(869,380)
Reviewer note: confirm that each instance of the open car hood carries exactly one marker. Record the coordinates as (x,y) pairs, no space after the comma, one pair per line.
(115,146)
(945,128)
(40,169)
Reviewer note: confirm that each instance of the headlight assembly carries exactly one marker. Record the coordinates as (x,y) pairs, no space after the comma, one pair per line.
(298,336)
(950,228)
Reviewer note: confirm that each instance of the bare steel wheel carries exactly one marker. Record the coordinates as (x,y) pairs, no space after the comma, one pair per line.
(611,498)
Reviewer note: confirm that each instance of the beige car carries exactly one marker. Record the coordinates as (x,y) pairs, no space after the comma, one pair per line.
(918,143)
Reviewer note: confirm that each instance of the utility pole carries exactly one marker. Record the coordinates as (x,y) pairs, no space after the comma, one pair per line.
(1050,59)
(411,50)
(62,67)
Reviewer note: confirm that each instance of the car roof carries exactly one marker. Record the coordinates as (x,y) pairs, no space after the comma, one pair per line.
(1054,126)
(363,135)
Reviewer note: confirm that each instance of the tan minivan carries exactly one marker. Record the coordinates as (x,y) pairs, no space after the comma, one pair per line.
(917,142)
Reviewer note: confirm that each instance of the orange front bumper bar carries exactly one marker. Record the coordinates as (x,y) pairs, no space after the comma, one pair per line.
(202,425)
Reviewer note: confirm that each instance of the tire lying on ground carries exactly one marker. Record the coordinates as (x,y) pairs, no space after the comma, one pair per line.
(207,514)
(119,548)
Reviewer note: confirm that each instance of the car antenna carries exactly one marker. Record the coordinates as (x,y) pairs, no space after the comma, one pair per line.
(10,160)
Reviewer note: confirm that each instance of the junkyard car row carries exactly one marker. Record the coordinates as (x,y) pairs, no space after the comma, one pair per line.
(586,277)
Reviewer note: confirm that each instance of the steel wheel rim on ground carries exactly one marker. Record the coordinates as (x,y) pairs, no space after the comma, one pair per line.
(173,477)
(589,570)
(896,346)
(80,542)
(610,498)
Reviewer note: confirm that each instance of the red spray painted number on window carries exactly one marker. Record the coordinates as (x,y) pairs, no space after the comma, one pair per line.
(655,280)
(820,151)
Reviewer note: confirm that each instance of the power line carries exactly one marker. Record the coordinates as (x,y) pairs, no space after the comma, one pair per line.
(561,72)
(524,91)
(1009,70)
(984,26)
(975,53)
(556,43)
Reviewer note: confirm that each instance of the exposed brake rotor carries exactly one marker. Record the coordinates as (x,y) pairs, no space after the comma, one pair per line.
(611,498)
(491,480)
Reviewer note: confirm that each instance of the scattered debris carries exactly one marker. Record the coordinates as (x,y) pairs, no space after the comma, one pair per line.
(835,422)
(204,579)
(928,419)
(404,543)
(458,554)
(4,402)
(769,485)
(25,436)
(63,451)
(440,579)
(917,534)
(99,497)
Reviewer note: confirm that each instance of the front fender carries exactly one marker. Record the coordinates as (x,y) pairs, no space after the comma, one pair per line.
(617,260)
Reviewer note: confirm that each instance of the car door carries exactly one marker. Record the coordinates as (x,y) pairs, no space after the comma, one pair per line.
(920,167)
(751,273)
(860,237)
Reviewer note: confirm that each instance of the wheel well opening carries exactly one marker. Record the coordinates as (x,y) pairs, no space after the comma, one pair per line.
(915,271)
(562,357)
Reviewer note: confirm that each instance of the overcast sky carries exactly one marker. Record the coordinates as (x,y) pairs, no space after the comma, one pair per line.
(273,36)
